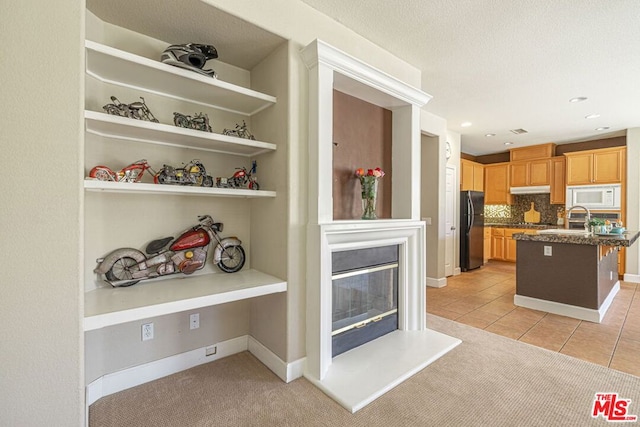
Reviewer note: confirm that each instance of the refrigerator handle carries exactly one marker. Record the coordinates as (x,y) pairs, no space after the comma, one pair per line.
(471,212)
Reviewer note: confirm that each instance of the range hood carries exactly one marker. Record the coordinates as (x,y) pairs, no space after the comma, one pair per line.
(534,189)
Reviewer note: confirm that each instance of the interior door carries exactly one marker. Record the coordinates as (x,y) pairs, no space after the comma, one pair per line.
(451,194)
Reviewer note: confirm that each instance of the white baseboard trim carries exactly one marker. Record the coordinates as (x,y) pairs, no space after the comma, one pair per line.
(141,374)
(436,283)
(131,377)
(287,372)
(633,278)
(574,311)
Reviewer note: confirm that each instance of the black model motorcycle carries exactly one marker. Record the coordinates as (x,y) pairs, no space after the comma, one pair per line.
(198,122)
(135,110)
(193,173)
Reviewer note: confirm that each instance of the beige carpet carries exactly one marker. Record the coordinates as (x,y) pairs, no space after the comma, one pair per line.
(488,380)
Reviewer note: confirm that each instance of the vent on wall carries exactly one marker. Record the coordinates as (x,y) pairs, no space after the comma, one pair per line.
(518,131)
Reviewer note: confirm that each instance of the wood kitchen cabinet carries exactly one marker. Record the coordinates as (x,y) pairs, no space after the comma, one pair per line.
(558,178)
(530,173)
(487,245)
(471,176)
(496,184)
(603,166)
(541,151)
(503,246)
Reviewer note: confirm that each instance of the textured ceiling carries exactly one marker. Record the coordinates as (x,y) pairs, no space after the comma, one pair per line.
(190,21)
(505,64)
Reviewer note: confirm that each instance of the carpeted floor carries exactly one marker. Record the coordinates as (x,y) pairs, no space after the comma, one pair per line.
(488,380)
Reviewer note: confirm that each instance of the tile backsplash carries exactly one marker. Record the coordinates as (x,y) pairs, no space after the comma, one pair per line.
(521,203)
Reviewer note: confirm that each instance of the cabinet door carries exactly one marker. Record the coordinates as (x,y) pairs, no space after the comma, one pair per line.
(518,174)
(466,175)
(607,167)
(558,188)
(496,184)
(497,247)
(510,249)
(540,172)
(579,168)
(478,177)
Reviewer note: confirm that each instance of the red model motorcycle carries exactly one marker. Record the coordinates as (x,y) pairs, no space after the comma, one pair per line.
(242,178)
(184,254)
(131,173)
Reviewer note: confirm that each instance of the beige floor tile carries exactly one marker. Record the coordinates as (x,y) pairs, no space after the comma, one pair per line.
(443,312)
(505,331)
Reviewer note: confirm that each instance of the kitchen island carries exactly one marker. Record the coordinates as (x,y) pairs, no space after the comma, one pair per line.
(574,275)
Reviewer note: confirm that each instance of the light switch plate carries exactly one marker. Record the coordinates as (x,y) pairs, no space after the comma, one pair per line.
(548,251)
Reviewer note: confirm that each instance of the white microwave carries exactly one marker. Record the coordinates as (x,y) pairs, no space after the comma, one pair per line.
(594,196)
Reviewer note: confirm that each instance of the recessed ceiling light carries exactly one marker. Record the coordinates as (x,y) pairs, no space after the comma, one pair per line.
(490,134)
(592,116)
(578,99)
(508,143)
(466,124)
(603,128)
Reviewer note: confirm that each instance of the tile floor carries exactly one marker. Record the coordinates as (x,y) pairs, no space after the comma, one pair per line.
(483,298)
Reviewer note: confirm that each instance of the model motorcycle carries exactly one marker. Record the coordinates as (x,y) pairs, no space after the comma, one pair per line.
(131,173)
(184,254)
(193,173)
(135,110)
(199,122)
(239,132)
(242,178)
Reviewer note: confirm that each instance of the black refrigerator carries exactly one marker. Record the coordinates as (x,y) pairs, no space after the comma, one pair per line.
(471,229)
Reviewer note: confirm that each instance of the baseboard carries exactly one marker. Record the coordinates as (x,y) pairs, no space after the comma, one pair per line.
(436,283)
(576,312)
(287,372)
(633,278)
(141,374)
(131,377)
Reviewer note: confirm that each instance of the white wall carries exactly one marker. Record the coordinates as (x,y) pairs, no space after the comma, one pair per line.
(41,344)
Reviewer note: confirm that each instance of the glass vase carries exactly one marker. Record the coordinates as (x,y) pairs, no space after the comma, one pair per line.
(369,186)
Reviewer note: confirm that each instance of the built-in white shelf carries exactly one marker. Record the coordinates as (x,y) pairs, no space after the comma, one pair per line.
(140,187)
(125,69)
(124,128)
(112,306)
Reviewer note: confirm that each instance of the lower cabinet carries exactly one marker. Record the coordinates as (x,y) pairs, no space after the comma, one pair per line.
(503,246)
(487,245)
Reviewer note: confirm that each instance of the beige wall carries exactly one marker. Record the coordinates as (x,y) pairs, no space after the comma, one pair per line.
(632,265)
(41,344)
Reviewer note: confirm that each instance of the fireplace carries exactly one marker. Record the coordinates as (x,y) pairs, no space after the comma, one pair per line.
(364,296)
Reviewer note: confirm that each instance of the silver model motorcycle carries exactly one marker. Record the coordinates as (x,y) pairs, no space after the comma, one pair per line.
(135,110)
(184,254)
(193,173)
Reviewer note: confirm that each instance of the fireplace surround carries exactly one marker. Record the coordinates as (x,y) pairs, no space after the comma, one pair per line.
(358,376)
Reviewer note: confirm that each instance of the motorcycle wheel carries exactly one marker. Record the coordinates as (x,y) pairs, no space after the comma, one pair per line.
(181,121)
(208,181)
(101,174)
(161,178)
(253,185)
(121,270)
(232,259)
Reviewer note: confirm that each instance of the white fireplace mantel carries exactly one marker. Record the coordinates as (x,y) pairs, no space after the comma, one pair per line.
(362,374)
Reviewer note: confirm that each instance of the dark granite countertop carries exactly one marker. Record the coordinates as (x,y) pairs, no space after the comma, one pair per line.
(522,225)
(626,239)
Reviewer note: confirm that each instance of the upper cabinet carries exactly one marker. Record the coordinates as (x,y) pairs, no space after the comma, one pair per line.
(558,186)
(530,173)
(496,183)
(542,151)
(471,176)
(603,166)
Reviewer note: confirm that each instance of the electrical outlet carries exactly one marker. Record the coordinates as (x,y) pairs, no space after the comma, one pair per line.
(147,331)
(211,350)
(194,321)
(548,251)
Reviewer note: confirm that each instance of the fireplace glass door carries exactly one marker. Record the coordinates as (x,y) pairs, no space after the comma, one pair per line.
(364,296)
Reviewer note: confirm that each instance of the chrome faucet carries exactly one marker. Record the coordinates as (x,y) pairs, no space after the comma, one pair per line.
(587,217)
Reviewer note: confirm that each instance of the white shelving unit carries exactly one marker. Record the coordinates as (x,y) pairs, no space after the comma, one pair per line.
(111,306)
(143,188)
(125,69)
(110,126)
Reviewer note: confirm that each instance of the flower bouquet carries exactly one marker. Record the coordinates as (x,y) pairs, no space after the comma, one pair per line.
(369,185)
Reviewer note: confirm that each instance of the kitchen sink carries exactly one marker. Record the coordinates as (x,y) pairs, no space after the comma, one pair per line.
(562,231)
